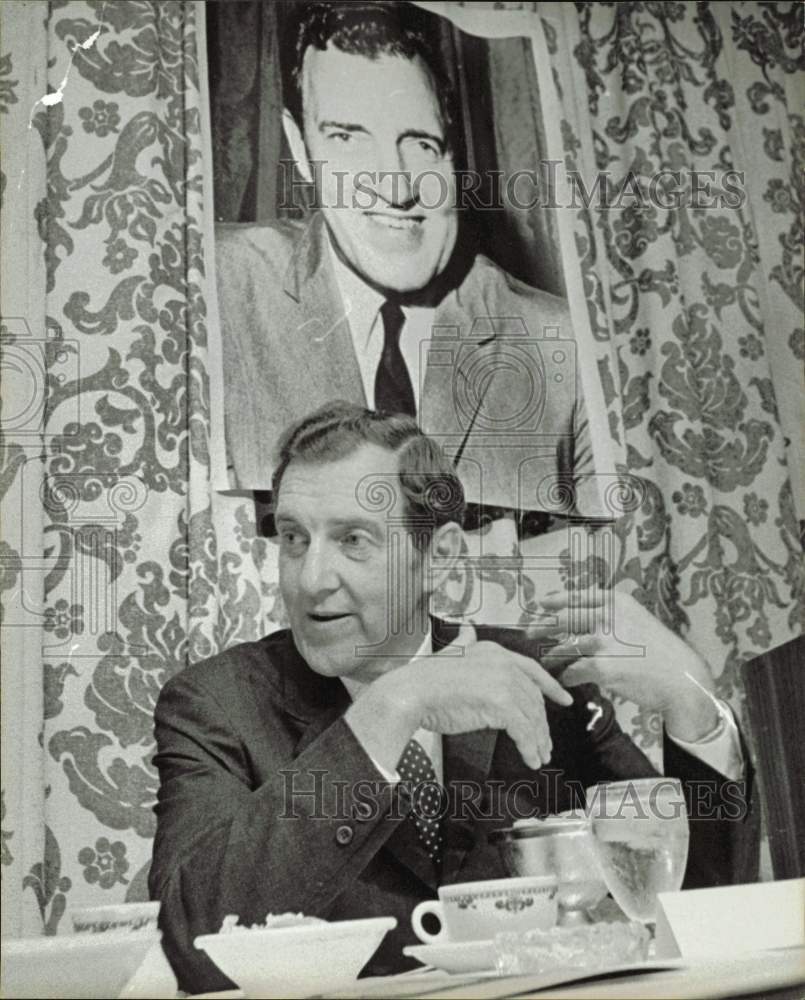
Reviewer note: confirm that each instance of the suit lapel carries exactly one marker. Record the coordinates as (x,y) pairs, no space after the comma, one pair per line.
(461,326)
(312,700)
(316,702)
(467,760)
(319,323)
(316,726)
(404,844)
(437,408)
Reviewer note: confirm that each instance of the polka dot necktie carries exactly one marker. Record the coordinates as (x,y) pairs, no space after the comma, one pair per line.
(393,390)
(416,770)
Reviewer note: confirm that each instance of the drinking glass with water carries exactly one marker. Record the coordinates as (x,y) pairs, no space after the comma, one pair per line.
(641,835)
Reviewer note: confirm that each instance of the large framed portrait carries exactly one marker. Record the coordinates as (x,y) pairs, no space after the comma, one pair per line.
(346,177)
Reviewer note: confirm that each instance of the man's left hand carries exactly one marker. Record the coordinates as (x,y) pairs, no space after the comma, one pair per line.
(609,639)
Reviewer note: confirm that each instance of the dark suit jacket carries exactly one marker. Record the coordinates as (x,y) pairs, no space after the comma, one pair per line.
(287,350)
(244,738)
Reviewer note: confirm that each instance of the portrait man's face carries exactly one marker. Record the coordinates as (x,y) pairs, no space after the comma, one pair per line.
(342,564)
(386,177)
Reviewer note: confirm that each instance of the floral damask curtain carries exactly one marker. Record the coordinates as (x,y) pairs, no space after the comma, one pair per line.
(119,565)
(697,313)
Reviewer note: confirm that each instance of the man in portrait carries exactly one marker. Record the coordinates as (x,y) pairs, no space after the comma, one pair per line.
(298,772)
(381,297)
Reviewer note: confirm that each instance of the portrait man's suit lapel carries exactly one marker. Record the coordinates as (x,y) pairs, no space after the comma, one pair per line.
(317,323)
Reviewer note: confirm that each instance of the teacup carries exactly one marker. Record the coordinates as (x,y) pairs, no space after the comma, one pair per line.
(477,911)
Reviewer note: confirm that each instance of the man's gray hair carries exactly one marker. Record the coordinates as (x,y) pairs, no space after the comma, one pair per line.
(431,488)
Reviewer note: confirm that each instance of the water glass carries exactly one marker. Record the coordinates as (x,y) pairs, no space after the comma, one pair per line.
(641,835)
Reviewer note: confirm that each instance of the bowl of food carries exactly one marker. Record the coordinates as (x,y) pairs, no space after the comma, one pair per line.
(294,956)
(73,965)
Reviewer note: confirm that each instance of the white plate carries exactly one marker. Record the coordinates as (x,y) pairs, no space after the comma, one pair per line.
(455,956)
(467,957)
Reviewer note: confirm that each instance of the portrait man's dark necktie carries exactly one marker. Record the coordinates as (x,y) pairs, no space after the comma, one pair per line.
(416,769)
(393,390)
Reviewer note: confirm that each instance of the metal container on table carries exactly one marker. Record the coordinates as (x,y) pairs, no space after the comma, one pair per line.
(559,846)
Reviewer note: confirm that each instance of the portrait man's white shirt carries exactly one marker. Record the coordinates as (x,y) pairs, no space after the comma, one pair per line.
(362,305)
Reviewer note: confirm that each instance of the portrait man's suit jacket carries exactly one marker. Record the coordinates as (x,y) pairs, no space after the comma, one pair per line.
(268,803)
(287,350)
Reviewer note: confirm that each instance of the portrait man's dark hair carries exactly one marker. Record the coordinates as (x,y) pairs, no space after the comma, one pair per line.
(433,492)
(371,30)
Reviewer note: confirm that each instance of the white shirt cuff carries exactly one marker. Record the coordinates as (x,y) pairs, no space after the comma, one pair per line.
(723,753)
(391,776)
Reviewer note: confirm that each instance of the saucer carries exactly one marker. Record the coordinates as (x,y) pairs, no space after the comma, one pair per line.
(455,956)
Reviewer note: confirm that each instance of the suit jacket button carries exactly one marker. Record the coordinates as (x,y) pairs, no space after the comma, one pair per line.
(344,835)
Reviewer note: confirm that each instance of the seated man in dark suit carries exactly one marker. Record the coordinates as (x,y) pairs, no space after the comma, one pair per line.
(281,760)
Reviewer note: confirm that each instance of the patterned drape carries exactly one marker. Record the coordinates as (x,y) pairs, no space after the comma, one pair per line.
(696,312)
(119,565)
(129,567)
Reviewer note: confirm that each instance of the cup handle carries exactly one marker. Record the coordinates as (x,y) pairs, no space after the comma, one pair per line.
(420,910)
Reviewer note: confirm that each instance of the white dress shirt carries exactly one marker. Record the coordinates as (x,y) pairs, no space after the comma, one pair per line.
(430,742)
(362,311)
(723,753)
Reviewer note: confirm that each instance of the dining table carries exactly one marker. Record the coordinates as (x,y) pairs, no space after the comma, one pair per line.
(777,974)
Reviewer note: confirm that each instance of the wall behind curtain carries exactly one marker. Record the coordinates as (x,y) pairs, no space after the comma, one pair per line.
(118,564)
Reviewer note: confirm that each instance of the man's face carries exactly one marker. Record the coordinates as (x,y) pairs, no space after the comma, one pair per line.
(349,575)
(386,179)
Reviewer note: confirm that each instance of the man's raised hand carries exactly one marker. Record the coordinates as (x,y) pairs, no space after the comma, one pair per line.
(486,687)
(611,640)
